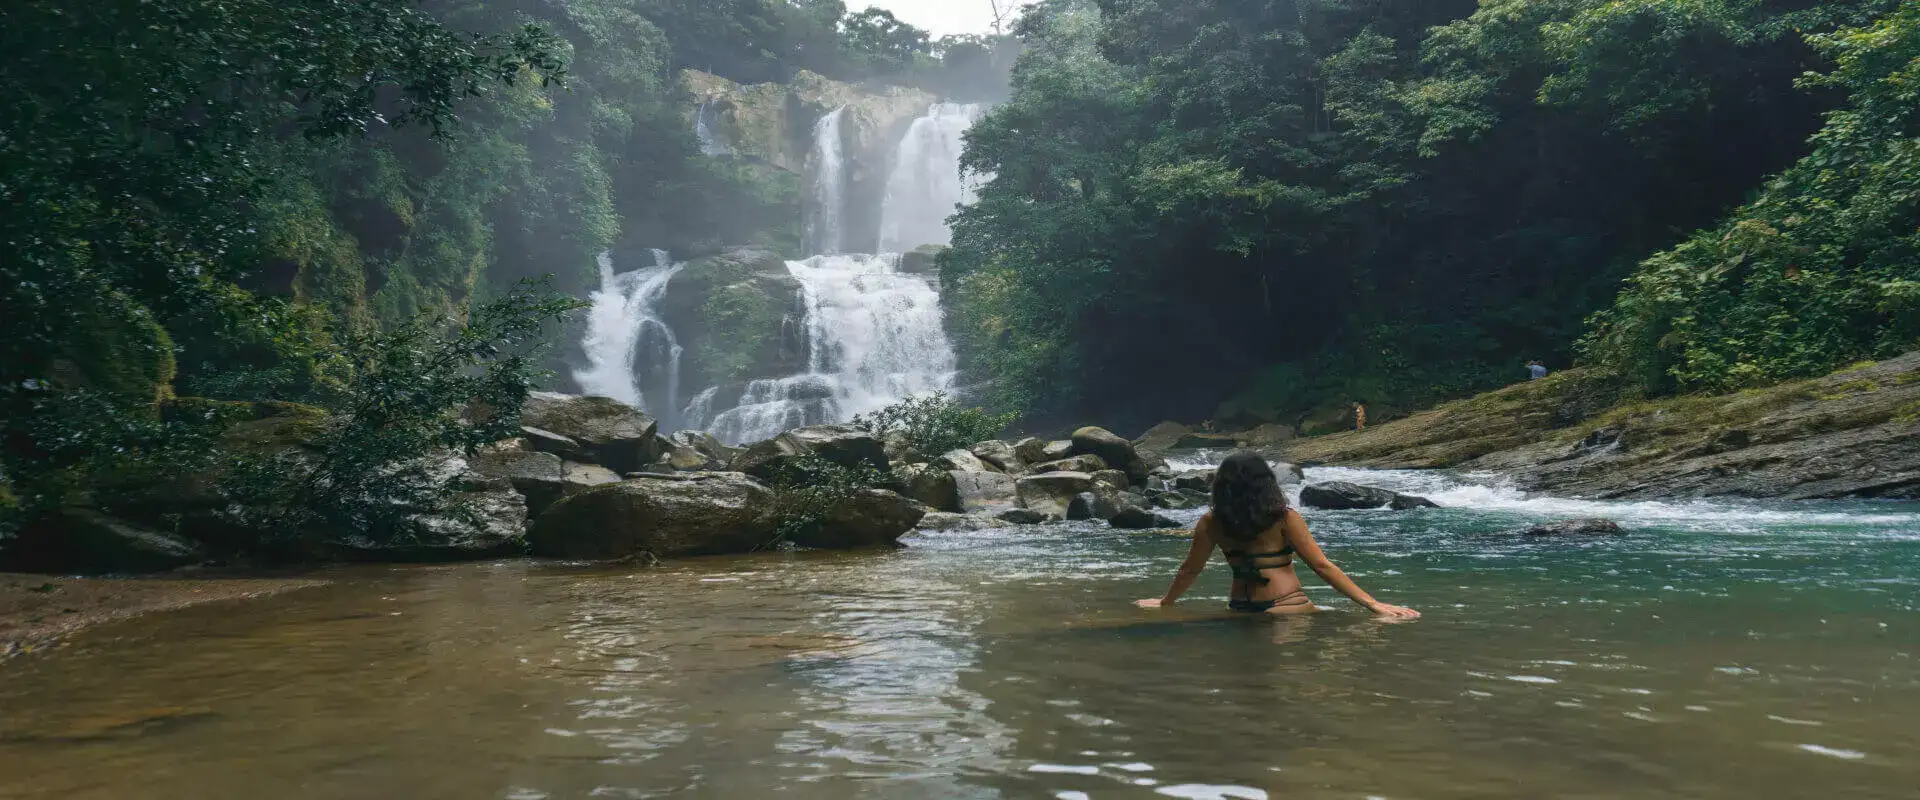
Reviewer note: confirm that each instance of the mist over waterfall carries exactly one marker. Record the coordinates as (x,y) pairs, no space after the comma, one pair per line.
(872,334)
(626,340)
(826,217)
(925,183)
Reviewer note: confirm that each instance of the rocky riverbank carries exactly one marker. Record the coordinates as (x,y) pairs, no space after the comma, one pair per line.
(1854,433)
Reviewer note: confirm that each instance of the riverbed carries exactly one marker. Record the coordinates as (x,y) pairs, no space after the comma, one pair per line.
(1721,650)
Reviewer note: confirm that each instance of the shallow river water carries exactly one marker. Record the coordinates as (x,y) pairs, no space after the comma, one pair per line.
(1723,650)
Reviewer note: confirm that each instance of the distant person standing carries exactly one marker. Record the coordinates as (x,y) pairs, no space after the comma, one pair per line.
(1536,370)
(1359,416)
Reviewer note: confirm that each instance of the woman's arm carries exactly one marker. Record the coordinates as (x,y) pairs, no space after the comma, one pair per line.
(1309,551)
(1197,555)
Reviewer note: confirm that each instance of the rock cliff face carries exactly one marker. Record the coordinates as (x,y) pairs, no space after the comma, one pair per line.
(1855,433)
(772,124)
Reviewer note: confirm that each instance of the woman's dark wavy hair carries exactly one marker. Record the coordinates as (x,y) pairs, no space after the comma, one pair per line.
(1246,496)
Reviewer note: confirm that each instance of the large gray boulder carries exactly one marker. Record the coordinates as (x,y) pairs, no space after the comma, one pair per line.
(81,541)
(958,523)
(985,492)
(696,451)
(1094,505)
(1199,480)
(699,513)
(1088,464)
(963,461)
(1000,455)
(1342,496)
(1118,453)
(926,483)
(1206,441)
(845,445)
(1135,518)
(1031,450)
(1114,480)
(542,478)
(1053,451)
(1052,492)
(616,435)
(1573,527)
(870,518)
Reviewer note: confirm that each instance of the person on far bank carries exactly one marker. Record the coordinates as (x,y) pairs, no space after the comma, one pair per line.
(1536,370)
(1261,536)
(1359,416)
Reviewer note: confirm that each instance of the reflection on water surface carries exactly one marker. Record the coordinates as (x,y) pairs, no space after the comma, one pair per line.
(1721,651)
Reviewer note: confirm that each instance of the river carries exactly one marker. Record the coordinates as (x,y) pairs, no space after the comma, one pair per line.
(1722,650)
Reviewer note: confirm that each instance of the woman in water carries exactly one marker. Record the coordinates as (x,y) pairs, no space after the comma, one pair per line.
(1251,523)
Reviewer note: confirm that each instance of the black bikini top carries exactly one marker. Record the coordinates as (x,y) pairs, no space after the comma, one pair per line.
(1247,566)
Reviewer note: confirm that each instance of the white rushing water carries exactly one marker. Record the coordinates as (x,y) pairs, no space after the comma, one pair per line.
(874,336)
(925,183)
(826,220)
(707,130)
(626,338)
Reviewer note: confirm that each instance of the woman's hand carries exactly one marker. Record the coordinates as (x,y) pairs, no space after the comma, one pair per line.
(1391,611)
(1153,603)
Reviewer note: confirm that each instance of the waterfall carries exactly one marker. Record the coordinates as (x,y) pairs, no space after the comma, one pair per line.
(874,336)
(826,226)
(925,183)
(705,129)
(625,338)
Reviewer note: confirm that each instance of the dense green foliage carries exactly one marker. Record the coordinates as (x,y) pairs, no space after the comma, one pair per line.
(1823,268)
(1304,203)
(429,388)
(935,423)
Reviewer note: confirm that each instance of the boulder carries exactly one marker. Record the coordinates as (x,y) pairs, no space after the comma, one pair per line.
(1052,492)
(1407,502)
(1024,516)
(1118,453)
(542,478)
(845,445)
(1031,450)
(984,492)
(870,518)
(82,541)
(487,518)
(1175,500)
(958,523)
(1573,527)
(547,441)
(963,461)
(1206,441)
(1000,455)
(1114,480)
(1161,436)
(616,435)
(1053,451)
(1087,464)
(1134,518)
(928,484)
(696,451)
(1340,495)
(688,514)
(1199,480)
(1094,505)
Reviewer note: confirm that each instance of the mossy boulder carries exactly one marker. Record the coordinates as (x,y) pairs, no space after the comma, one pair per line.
(703,513)
(739,315)
(118,348)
